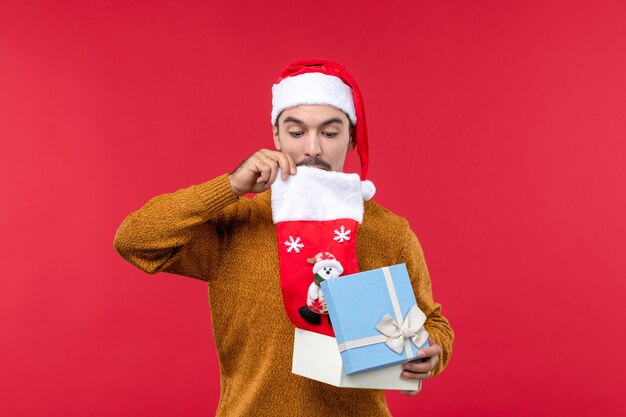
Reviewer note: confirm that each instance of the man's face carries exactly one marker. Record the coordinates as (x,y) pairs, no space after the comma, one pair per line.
(314,135)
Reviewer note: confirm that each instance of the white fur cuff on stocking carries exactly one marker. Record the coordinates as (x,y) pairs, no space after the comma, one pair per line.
(315,194)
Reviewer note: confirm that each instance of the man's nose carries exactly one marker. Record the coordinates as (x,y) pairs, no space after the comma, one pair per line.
(312,147)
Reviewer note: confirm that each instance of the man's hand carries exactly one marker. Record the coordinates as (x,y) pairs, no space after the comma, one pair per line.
(258,172)
(416,370)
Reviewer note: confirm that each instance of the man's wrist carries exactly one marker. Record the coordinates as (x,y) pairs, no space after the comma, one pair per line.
(235,191)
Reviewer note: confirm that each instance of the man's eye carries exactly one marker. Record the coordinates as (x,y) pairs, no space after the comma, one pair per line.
(295,134)
(330,134)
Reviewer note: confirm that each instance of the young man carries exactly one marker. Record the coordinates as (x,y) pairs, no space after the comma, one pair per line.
(212,232)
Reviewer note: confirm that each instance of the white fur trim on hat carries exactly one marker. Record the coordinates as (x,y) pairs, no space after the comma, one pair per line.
(315,194)
(312,88)
(327,262)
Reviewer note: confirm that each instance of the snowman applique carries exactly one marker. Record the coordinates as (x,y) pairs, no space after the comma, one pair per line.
(325,266)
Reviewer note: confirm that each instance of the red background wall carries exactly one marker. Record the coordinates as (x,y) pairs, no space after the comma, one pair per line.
(497,128)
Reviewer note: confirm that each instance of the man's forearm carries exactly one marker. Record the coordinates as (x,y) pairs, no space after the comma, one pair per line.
(150,237)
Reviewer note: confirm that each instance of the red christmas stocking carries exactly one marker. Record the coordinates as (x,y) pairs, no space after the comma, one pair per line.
(317,214)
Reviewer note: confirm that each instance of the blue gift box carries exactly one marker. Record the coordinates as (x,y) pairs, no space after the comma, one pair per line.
(375,317)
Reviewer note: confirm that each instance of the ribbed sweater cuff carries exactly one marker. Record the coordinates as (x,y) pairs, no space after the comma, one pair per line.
(217,193)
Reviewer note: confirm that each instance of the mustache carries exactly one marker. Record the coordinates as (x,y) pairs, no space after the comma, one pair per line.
(314,160)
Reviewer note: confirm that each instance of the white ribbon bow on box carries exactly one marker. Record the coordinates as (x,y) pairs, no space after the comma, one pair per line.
(410,329)
(396,334)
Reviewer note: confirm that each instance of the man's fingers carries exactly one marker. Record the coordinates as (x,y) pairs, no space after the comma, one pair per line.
(410,393)
(272,164)
(430,351)
(264,171)
(419,370)
(415,375)
(279,158)
(292,164)
(287,166)
(421,367)
(259,171)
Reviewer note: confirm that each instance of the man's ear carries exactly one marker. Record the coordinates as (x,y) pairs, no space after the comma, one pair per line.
(352,143)
(276,139)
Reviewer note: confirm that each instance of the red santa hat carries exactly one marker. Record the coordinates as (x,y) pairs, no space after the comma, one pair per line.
(325,259)
(320,81)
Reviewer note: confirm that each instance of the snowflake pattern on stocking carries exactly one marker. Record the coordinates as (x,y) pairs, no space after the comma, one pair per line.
(341,234)
(292,244)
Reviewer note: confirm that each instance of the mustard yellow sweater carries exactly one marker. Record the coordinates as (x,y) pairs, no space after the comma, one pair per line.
(206,232)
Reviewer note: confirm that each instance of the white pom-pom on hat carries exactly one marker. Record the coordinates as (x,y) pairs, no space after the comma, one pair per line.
(368,189)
